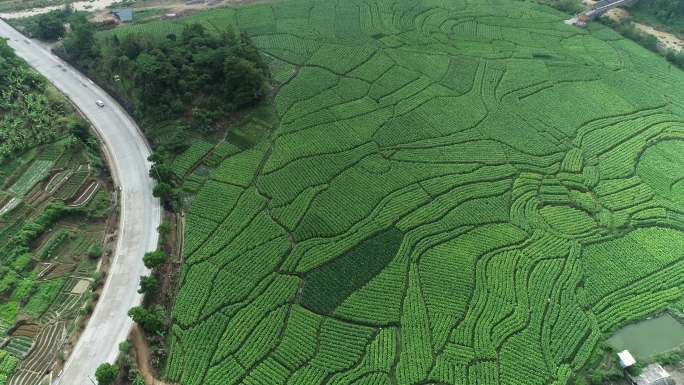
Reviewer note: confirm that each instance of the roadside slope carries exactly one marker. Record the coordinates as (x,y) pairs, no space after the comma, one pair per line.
(127,153)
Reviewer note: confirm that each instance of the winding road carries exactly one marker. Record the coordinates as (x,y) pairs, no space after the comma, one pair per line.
(140,213)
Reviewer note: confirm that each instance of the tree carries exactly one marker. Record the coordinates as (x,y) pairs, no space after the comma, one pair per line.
(244,84)
(164,228)
(153,259)
(138,380)
(106,374)
(679,60)
(164,191)
(149,321)
(167,194)
(95,251)
(124,346)
(148,285)
(80,44)
(80,128)
(569,6)
(162,172)
(49,26)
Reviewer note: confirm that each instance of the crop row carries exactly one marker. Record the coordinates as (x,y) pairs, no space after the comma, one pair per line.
(185,162)
(500,145)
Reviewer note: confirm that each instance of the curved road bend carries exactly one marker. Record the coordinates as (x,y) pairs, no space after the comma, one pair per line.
(140,212)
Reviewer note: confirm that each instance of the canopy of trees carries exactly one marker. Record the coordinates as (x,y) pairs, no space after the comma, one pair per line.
(153,259)
(667,11)
(196,74)
(150,321)
(30,114)
(106,374)
(50,26)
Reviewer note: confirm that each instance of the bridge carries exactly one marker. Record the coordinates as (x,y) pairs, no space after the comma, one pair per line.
(604,6)
(597,10)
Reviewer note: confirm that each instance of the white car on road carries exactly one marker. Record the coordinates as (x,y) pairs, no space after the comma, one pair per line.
(99,103)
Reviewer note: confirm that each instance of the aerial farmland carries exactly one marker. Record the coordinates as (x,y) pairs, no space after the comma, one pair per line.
(417,192)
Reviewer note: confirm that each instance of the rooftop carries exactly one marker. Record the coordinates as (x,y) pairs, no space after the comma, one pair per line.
(125,15)
(626,359)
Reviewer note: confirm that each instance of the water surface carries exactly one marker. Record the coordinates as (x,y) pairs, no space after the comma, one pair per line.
(649,337)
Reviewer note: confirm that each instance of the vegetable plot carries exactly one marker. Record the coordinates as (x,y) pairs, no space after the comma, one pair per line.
(518,164)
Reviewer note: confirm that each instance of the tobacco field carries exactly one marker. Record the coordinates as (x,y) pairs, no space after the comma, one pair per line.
(455,192)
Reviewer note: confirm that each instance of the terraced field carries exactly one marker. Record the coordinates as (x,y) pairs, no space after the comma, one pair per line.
(45,231)
(455,193)
(52,209)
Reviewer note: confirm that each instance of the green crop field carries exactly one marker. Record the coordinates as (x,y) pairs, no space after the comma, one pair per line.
(456,192)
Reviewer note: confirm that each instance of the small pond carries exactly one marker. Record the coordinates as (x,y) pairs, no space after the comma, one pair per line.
(649,337)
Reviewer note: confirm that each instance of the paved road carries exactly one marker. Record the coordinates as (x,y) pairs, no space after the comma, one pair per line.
(127,152)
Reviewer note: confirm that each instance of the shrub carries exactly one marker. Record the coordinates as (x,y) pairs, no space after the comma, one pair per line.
(148,285)
(153,259)
(124,346)
(164,228)
(149,321)
(49,26)
(95,251)
(106,374)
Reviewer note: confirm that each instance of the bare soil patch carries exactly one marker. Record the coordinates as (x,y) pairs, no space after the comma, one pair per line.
(617,14)
(26,330)
(81,287)
(667,40)
(143,356)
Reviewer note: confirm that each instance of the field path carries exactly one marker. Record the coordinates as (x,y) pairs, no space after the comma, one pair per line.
(126,151)
(142,353)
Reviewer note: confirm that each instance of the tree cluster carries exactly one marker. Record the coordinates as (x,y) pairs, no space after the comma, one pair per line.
(51,26)
(151,321)
(197,74)
(667,11)
(80,45)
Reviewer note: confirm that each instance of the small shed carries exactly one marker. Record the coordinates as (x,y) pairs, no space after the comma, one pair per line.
(124,15)
(626,359)
(653,374)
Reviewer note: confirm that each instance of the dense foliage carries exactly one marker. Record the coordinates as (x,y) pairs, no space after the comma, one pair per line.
(667,11)
(196,73)
(51,26)
(106,374)
(327,286)
(150,321)
(29,113)
(153,259)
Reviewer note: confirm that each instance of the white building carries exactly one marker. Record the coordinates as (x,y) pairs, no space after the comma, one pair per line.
(626,359)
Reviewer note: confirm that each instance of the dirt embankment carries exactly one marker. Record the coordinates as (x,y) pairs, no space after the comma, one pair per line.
(143,355)
(667,40)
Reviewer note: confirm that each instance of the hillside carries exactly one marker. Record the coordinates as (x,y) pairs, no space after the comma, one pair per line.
(666,15)
(451,193)
(54,209)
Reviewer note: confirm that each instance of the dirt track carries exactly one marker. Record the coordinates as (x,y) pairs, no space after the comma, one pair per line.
(142,354)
